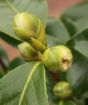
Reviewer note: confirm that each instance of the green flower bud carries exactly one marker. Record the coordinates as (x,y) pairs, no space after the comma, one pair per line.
(58,58)
(62,90)
(66,102)
(37,45)
(27,51)
(26,25)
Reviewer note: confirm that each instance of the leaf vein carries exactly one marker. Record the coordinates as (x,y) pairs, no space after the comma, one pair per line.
(27,83)
(11,6)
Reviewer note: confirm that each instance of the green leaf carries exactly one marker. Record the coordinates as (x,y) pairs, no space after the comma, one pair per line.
(16,62)
(50,84)
(82,23)
(70,25)
(80,42)
(9,39)
(78,11)
(9,8)
(25,85)
(77,75)
(56,32)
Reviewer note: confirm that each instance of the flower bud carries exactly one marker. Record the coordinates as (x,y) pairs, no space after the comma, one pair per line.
(58,58)
(66,102)
(62,90)
(37,45)
(26,25)
(27,51)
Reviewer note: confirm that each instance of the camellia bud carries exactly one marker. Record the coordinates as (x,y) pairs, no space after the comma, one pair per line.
(66,102)
(37,45)
(27,51)
(27,25)
(58,58)
(62,90)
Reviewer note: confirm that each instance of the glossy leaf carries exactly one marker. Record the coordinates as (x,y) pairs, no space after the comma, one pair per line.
(56,32)
(70,25)
(78,11)
(50,85)
(24,85)
(11,40)
(9,8)
(80,42)
(82,23)
(77,75)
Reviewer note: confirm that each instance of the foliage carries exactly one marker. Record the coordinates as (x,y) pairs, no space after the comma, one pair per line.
(24,83)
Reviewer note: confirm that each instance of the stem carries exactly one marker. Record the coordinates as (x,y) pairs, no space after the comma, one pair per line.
(62,76)
(55,76)
(3,66)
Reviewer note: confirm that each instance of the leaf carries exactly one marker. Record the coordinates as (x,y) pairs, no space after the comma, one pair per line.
(56,32)
(50,85)
(9,8)
(82,23)
(70,25)
(78,11)
(77,75)
(16,62)
(13,41)
(80,42)
(25,85)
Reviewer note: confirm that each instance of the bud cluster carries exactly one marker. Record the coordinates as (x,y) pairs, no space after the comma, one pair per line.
(59,59)
(31,31)
(26,25)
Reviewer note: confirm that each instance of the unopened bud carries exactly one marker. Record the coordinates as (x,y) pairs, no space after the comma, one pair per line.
(26,25)
(66,102)
(62,90)
(58,58)
(27,51)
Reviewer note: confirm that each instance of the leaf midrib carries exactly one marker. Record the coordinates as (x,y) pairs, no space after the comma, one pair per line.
(77,34)
(27,83)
